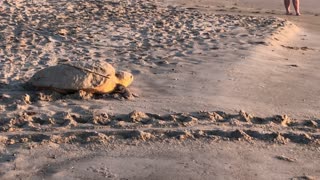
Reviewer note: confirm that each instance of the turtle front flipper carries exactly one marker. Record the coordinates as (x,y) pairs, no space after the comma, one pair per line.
(123,91)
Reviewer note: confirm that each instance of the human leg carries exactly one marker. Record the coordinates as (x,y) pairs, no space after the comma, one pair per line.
(287,6)
(296,4)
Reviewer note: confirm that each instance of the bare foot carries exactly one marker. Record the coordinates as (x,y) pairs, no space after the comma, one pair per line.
(288,13)
(298,14)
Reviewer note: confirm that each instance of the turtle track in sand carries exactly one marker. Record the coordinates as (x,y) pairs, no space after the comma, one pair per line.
(106,128)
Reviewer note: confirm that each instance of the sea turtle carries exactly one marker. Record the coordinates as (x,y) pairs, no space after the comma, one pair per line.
(92,77)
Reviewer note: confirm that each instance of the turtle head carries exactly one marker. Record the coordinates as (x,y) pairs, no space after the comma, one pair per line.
(124,78)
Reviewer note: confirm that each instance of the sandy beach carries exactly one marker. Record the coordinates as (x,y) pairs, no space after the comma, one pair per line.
(222,90)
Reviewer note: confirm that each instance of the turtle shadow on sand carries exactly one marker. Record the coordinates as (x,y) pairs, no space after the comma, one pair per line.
(80,80)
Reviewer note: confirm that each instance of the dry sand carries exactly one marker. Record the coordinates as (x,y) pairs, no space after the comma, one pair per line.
(199,67)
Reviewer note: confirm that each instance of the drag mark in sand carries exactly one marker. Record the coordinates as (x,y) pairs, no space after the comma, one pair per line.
(70,128)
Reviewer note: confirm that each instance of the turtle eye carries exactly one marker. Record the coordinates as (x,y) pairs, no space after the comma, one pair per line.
(120,75)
